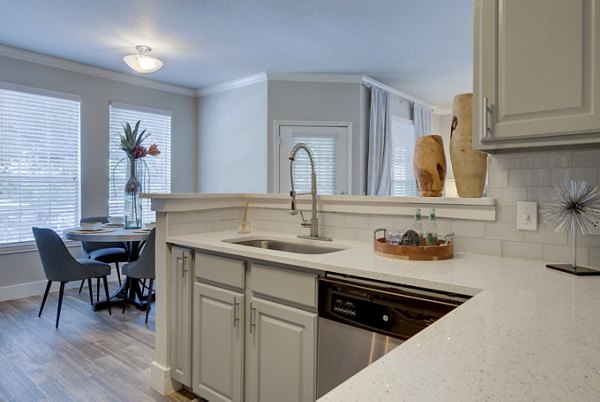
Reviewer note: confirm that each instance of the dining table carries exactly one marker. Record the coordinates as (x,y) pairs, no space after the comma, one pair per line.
(133,241)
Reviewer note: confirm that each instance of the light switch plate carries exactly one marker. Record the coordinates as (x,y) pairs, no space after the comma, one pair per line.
(526,215)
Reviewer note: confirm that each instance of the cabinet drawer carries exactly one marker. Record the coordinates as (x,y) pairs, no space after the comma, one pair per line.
(220,270)
(283,284)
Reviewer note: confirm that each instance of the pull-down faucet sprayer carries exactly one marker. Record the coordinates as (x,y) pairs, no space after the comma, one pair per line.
(314,221)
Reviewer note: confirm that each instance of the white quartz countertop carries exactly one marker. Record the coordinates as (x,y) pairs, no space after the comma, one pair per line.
(528,334)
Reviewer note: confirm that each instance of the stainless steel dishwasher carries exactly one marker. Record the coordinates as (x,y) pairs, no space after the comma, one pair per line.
(361,320)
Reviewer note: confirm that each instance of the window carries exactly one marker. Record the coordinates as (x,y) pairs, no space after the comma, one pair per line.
(158,177)
(39,162)
(329,145)
(403,148)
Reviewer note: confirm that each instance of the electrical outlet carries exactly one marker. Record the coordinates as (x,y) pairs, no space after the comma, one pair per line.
(596,228)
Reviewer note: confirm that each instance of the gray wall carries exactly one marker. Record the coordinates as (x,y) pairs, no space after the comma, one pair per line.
(319,101)
(233,141)
(96,94)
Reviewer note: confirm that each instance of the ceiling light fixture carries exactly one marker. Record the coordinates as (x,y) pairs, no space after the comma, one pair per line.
(143,62)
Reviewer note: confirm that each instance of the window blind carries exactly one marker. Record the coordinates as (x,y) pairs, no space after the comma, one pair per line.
(158,176)
(403,149)
(323,148)
(39,164)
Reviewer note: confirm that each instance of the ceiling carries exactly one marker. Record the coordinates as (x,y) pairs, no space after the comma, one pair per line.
(420,47)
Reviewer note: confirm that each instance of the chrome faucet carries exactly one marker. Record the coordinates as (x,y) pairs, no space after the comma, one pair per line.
(314,221)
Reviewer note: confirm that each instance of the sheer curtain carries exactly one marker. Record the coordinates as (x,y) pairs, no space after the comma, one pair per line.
(422,119)
(379,170)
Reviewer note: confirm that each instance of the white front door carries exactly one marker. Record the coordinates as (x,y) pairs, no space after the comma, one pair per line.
(330,148)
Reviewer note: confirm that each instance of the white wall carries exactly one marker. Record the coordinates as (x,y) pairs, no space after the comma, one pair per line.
(232,153)
(96,93)
(320,101)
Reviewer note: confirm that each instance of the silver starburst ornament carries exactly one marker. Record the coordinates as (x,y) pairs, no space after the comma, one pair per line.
(571,207)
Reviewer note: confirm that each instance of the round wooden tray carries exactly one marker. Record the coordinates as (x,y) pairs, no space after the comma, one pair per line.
(423,253)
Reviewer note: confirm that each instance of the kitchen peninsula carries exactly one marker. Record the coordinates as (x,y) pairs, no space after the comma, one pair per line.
(528,333)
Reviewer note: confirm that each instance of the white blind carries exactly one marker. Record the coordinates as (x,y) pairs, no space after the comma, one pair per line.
(403,149)
(323,148)
(39,164)
(158,124)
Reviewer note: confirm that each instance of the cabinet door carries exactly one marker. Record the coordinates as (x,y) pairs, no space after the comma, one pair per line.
(537,68)
(180,315)
(281,354)
(218,343)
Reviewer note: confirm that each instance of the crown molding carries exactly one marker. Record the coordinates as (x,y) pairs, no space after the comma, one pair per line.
(315,77)
(26,55)
(229,85)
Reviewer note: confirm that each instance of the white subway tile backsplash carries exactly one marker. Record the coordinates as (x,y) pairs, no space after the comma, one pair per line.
(376,222)
(558,176)
(503,231)
(510,161)
(595,257)
(508,196)
(331,219)
(468,229)
(506,214)
(564,254)
(528,177)
(522,250)
(550,159)
(498,179)
(545,235)
(586,158)
(357,221)
(484,246)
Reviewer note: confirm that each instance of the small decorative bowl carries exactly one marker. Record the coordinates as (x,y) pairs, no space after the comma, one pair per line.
(90,225)
(116,220)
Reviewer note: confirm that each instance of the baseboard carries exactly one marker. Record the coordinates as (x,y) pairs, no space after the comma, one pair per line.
(161,381)
(21,290)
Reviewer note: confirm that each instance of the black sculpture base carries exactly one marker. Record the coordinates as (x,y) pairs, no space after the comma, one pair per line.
(577,270)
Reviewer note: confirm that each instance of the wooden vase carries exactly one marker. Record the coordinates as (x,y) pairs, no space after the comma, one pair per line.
(469,165)
(429,165)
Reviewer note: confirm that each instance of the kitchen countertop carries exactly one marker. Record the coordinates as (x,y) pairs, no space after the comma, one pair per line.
(528,332)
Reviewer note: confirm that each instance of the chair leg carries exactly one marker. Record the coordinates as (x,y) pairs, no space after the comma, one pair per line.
(60,299)
(89,281)
(106,292)
(126,291)
(97,289)
(118,272)
(149,299)
(45,296)
(81,286)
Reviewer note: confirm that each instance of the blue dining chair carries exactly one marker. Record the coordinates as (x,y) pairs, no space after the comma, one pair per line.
(102,251)
(60,266)
(141,269)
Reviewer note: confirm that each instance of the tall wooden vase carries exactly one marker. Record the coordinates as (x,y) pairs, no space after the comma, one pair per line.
(469,165)
(429,165)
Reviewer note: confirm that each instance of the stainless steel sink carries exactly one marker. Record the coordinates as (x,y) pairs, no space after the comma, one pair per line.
(287,246)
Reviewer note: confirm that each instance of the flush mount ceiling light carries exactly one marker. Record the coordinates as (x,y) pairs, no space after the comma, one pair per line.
(143,62)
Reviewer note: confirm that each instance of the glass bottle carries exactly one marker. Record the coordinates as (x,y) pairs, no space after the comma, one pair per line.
(431,231)
(133,202)
(418,225)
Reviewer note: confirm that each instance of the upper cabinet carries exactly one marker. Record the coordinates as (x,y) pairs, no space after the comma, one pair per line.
(536,74)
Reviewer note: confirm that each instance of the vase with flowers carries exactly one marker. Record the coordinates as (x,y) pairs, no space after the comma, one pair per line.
(131,144)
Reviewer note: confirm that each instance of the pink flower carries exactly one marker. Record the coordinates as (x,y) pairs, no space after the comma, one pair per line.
(139,152)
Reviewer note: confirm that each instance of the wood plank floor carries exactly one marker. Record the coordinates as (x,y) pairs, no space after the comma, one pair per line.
(91,356)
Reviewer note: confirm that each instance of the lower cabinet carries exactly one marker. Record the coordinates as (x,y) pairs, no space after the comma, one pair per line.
(180,314)
(280,353)
(218,343)
(253,341)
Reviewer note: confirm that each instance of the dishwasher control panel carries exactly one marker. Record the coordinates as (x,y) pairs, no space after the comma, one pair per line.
(399,314)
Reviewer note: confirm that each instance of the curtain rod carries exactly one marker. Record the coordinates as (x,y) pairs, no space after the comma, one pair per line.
(369,83)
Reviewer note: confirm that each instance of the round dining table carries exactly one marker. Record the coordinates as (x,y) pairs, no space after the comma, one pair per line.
(132,240)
